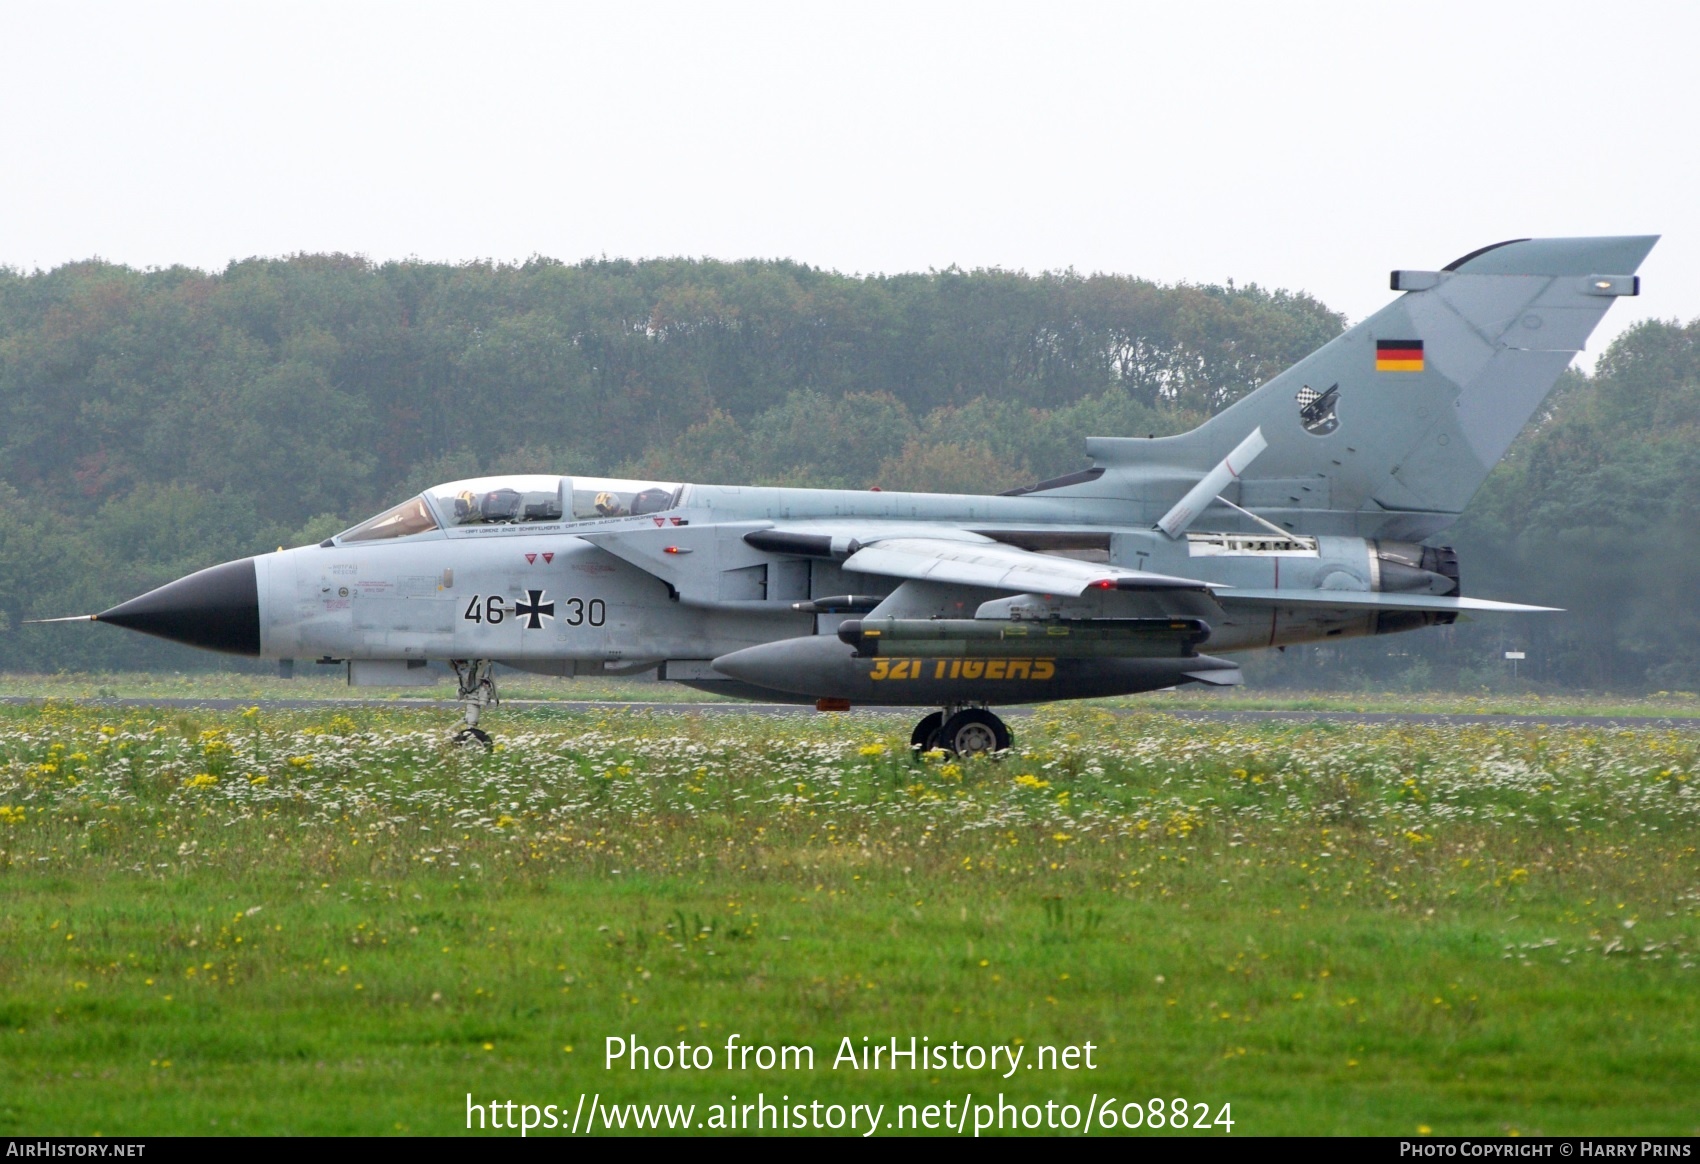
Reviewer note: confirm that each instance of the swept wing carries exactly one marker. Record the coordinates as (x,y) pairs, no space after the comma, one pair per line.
(999,567)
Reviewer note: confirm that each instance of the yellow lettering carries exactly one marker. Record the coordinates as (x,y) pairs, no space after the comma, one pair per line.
(956,668)
(938,671)
(881,666)
(973,668)
(1044,668)
(994,668)
(1019,669)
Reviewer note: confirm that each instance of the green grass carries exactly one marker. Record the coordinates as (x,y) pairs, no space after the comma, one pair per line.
(322,923)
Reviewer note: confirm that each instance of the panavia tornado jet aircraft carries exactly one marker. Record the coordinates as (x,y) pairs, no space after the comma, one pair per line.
(1303,513)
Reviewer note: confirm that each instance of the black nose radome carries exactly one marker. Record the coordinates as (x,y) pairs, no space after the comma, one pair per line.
(217,608)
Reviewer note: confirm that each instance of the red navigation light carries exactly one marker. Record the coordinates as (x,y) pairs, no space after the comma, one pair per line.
(1105,584)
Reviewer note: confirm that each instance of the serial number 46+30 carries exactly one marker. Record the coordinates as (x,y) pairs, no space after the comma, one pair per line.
(494,610)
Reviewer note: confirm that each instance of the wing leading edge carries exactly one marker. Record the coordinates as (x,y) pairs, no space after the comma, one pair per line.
(999,567)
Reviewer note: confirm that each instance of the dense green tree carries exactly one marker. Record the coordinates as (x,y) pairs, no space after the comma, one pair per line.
(1595,511)
(951,468)
(323,382)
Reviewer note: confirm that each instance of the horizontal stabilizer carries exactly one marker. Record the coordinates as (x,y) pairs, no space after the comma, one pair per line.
(1372,600)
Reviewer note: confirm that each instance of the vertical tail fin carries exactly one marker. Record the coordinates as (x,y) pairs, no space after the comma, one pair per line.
(1389,429)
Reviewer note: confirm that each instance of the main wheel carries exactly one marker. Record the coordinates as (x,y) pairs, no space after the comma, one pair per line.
(474,735)
(973,731)
(925,736)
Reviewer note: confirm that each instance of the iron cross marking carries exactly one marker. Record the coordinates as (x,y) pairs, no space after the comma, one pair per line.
(534,611)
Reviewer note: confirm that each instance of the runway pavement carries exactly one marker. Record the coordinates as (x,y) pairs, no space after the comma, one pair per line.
(1202,715)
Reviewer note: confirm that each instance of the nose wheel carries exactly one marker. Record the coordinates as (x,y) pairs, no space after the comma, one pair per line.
(472,735)
(966,731)
(477,681)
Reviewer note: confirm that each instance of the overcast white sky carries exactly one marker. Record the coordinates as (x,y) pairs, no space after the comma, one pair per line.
(1299,145)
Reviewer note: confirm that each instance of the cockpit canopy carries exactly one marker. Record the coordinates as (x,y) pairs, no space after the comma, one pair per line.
(501,500)
(513,500)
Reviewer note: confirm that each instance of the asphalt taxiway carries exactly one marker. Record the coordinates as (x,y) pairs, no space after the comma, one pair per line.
(1201,715)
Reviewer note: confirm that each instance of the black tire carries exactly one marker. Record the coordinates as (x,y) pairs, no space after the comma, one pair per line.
(474,735)
(973,731)
(925,736)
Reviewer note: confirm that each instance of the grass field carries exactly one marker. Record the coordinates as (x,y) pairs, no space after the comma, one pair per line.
(329,922)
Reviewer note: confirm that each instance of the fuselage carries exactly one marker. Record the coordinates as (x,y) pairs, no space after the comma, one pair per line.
(543,596)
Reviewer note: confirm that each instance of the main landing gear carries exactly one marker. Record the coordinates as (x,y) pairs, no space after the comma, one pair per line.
(962,731)
(477,680)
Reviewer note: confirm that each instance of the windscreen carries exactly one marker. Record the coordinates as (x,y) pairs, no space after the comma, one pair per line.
(410,517)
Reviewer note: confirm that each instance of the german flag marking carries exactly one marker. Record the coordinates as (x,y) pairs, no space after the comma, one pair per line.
(1399,355)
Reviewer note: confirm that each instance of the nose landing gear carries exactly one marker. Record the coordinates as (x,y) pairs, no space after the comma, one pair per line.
(962,731)
(477,681)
